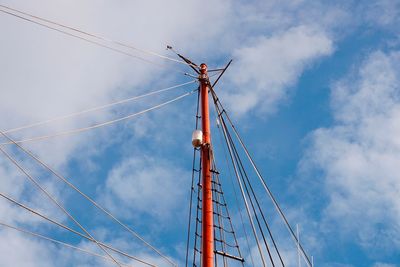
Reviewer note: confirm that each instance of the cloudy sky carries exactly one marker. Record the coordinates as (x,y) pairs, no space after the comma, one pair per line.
(314,89)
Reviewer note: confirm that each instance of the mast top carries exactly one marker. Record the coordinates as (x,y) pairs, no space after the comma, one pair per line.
(203,68)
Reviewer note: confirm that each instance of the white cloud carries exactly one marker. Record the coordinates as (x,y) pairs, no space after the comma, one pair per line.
(146,185)
(25,250)
(381,264)
(360,154)
(266,69)
(385,13)
(21,251)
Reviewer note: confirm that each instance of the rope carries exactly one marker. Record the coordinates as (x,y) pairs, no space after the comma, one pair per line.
(61,243)
(34,181)
(96,108)
(71,230)
(79,130)
(63,179)
(10,12)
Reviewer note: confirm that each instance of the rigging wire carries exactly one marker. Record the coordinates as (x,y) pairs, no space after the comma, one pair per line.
(221,195)
(248,185)
(217,207)
(71,230)
(262,216)
(65,180)
(198,210)
(123,101)
(10,11)
(61,243)
(192,186)
(130,46)
(262,180)
(186,60)
(243,175)
(36,183)
(218,196)
(219,219)
(236,197)
(79,130)
(242,169)
(244,198)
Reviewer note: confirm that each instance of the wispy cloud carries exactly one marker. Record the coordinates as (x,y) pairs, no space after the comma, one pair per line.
(270,66)
(146,185)
(359,155)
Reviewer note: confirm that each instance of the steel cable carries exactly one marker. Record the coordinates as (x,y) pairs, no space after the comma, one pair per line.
(192,186)
(220,222)
(61,243)
(10,12)
(198,208)
(79,130)
(267,189)
(96,36)
(232,231)
(236,198)
(123,101)
(36,183)
(247,186)
(261,213)
(62,178)
(244,197)
(71,230)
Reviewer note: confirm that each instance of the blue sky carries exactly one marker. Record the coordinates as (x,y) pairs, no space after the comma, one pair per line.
(314,90)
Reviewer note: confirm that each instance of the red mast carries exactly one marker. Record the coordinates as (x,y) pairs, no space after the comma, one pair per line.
(207,246)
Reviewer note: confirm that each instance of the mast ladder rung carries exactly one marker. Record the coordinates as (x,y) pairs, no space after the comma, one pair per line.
(214,171)
(229,255)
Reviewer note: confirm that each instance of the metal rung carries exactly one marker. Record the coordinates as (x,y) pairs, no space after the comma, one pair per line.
(219,203)
(215,183)
(214,171)
(223,229)
(222,216)
(229,255)
(217,191)
(223,111)
(223,241)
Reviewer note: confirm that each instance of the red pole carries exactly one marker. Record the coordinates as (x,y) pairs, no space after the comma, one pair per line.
(207,204)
